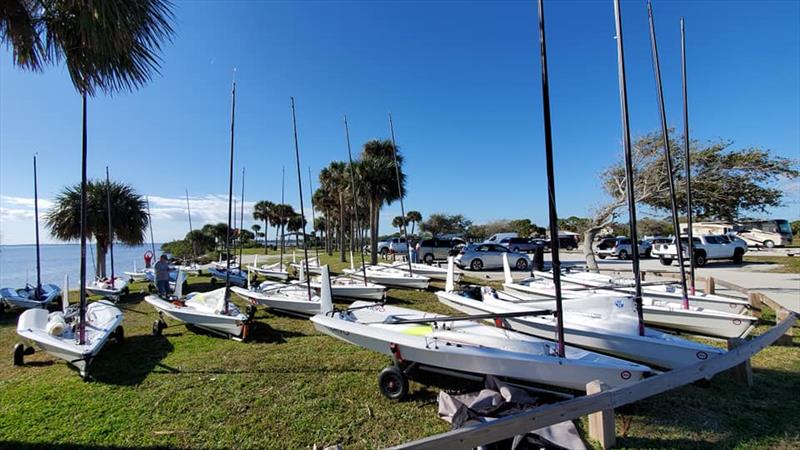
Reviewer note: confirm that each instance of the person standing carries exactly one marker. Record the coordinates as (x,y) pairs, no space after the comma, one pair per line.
(162,276)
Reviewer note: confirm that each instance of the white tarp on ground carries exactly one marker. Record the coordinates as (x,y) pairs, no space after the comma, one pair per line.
(499,399)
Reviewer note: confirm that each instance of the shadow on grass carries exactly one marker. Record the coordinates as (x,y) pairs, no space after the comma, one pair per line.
(130,363)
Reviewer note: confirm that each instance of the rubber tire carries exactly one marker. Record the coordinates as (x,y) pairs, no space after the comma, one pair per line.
(738,256)
(769,244)
(476,267)
(622,254)
(393,383)
(428,258)
(384,251)
(19,354)
(700,260)
(521,264)
(601,256)
(157,328)
(119,335)
(665,261)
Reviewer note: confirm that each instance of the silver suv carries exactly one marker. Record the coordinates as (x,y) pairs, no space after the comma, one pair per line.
(620,247)
(429,250)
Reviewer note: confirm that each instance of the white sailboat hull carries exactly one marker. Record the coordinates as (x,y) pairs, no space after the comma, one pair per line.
(426,270)
(661,314)
(288,299)
(236,277)
(112,291)
(485,351)
(102,320)
(654,348)
(667,293)
(233,324)
(25,298)
(390,277)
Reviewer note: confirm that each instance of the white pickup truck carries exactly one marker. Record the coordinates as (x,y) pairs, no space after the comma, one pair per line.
(706,247)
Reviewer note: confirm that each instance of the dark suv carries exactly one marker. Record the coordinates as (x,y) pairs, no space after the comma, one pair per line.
(429,250)
(518,244)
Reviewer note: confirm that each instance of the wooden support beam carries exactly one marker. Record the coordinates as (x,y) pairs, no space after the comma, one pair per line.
(743,373)
(601,423)
(788,337)
(710,285)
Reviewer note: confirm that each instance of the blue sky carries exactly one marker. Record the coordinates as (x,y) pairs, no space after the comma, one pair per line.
(460,78)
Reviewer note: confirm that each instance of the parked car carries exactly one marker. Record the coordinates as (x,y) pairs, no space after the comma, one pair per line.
(487,256)
(620,247)
(564,243)
(429,250)
(497,237)
(518,244)
(392,245)
(705,247)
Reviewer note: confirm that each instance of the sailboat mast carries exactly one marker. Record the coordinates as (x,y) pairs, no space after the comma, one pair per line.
(302,209)
(241,224)
(230,201)
(400,191)
(280,218)
(355,197)
(626,143)
(235,237)
(551,188)
(38,292)
(191,230)
(667,155)
(313,218)
(687,160)
(82,307)
(150,221)
(110,226)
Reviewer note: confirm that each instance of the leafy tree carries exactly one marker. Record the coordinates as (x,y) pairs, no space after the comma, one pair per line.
(203,242)
(413,217)
(263,210)
(523,227)
(128,210)
(574,224)
(439,223)
(399,222)
(652,227)
(378,178)
(726,182)
(796,228)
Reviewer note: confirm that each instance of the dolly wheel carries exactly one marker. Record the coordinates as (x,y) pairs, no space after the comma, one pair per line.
(119,335)
(393,383)
(19,354)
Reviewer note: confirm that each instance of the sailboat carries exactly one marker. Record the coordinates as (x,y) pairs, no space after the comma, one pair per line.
(389,277)
(426,270)
(604,323)
(291,298)
(663,292)
(460,346)
(114,287)
(347,288)
(274,271)
(75,335)
(212,311)
(137,274)
(40,295)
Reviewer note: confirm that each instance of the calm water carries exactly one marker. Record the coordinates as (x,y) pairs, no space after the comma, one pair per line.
(18,263)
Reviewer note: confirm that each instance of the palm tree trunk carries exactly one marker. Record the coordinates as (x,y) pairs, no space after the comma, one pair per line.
(373,230)
(341,228)
(266,232)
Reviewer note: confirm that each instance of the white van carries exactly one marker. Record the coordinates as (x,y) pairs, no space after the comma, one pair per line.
(497,237)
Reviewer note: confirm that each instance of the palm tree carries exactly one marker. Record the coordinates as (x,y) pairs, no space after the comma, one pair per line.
(296,223)
(413,217)
(256,231)
(263,211)
(128,210)
(379,183)
(281,215)
(399,222)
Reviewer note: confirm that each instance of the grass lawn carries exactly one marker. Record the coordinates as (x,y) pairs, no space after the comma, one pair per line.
(788,264)
(291,387)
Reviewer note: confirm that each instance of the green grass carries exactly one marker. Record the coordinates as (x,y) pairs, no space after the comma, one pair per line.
(291,387)
(788,264)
